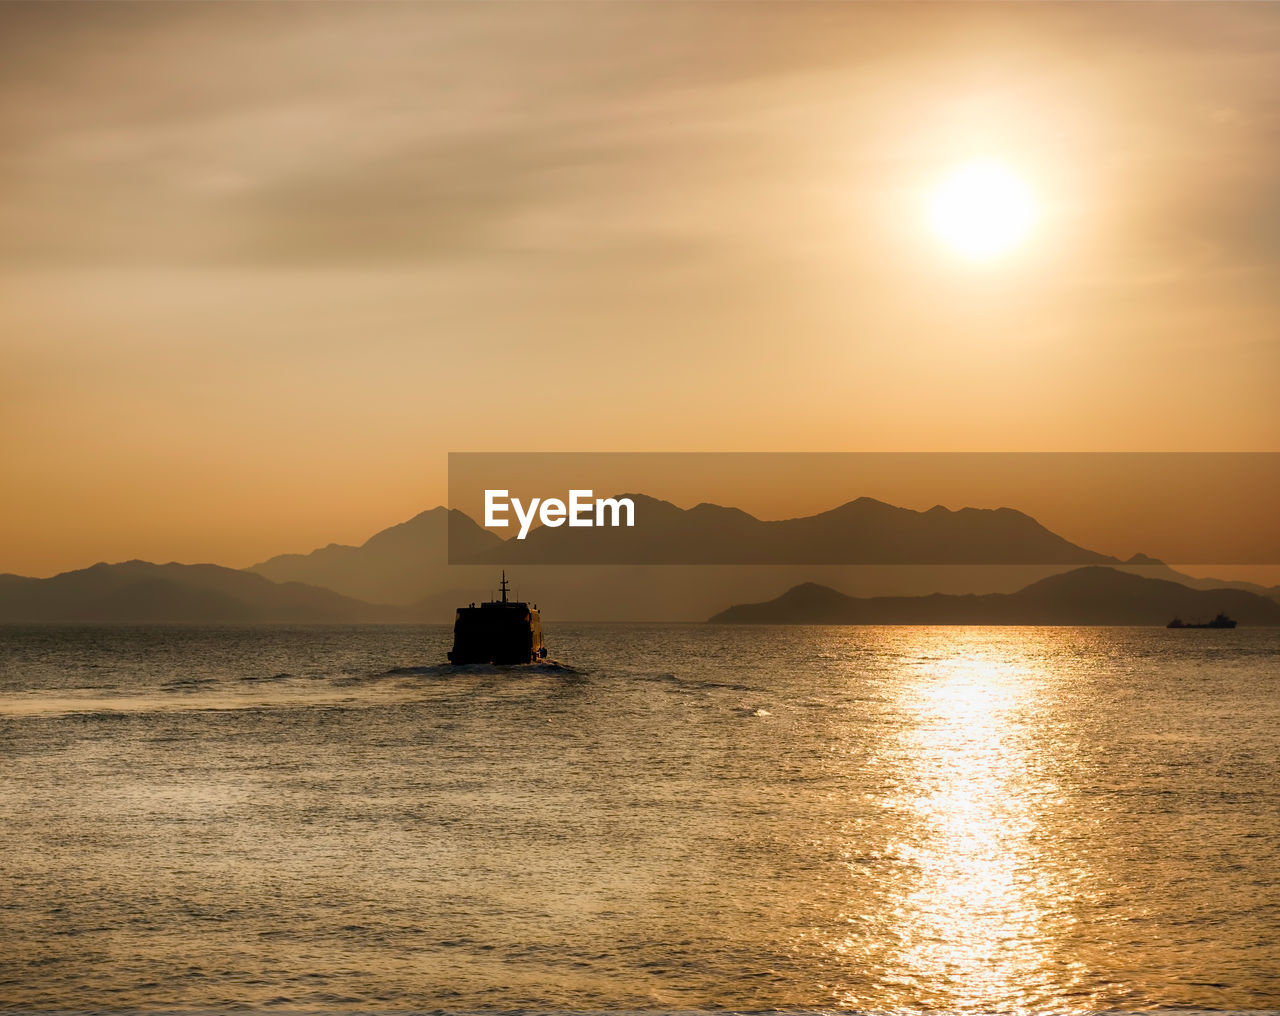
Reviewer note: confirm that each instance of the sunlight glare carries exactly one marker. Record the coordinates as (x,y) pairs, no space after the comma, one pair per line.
(981,210)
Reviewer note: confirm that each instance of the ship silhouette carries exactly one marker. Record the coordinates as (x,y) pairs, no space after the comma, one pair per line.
(1221,621)
(502,632)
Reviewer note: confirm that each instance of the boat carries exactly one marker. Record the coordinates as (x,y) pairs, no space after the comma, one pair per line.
(502,632)
(1221,621)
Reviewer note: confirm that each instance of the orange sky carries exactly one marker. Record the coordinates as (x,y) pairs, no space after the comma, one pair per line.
(263,266)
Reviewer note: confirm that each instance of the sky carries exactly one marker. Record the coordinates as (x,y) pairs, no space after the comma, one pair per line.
(263,266)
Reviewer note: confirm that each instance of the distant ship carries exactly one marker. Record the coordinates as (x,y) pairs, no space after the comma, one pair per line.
(1221,621)
(500,631)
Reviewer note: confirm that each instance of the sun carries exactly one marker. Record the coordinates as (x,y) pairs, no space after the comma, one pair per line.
(982,210)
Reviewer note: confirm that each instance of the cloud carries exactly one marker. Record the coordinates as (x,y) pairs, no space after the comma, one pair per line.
(299,134)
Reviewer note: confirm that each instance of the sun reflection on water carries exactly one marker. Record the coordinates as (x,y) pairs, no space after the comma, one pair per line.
(969,918)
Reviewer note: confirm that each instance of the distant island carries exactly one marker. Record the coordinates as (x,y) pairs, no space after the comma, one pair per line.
(1084,596)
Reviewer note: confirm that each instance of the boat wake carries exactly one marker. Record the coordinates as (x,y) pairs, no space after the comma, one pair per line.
(479,669)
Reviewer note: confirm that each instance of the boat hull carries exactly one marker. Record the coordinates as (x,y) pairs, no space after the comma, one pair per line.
(504,634)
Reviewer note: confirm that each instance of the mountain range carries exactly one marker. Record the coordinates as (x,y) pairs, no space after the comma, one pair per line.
(400,565)
(864,532)
(1083,596)
(403,574)
(139,592)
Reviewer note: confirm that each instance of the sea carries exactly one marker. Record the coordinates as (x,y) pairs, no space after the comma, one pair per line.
(660,818)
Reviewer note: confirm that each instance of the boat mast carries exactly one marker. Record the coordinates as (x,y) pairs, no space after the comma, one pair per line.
(504,586)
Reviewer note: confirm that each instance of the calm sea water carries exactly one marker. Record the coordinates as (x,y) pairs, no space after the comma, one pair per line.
(681,817)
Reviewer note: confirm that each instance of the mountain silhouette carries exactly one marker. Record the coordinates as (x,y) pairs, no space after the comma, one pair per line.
(138,592)
(1153,568)
(1084,596)
(407,564)
(400,565)
(405,569)
(864,531)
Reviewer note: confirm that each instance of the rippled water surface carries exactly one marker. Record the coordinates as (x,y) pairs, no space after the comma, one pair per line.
(679,817)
